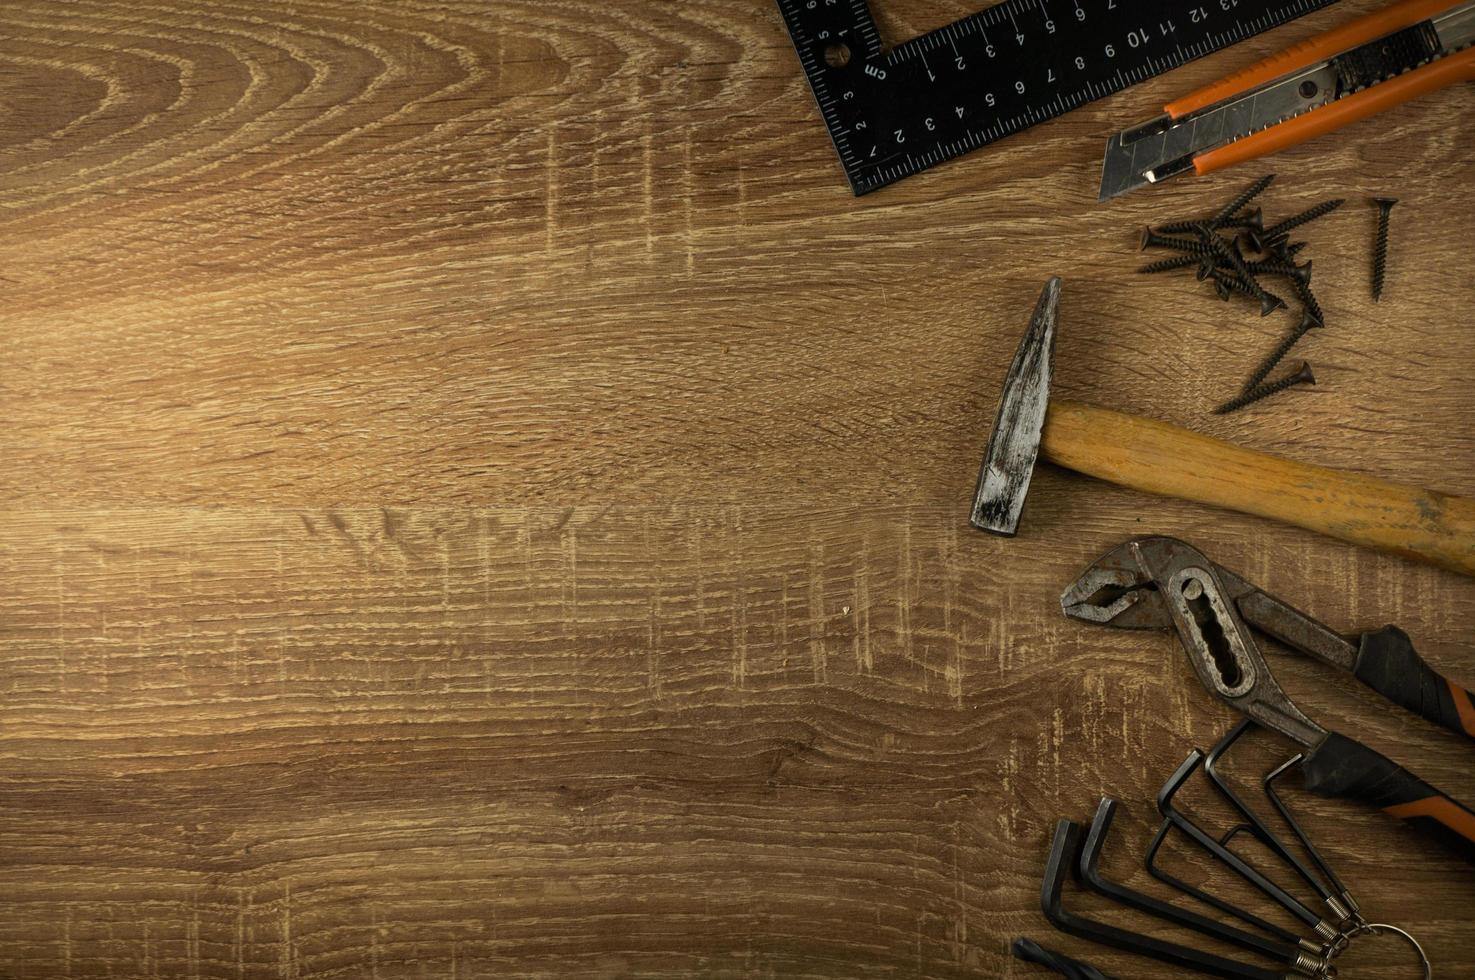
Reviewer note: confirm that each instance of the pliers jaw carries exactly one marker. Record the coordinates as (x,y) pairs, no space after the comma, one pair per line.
(1117,590)
(1166,584)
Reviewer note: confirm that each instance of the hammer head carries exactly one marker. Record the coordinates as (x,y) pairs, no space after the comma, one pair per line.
(1003,480)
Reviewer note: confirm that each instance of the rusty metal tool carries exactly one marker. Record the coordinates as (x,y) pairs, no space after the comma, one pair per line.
(1383,659)
(1159,458)
(1162,583)
(1388,57)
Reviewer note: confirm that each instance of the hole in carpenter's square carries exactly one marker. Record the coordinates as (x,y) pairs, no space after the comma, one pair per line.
(837,55)
(1309,89)
(1212,632)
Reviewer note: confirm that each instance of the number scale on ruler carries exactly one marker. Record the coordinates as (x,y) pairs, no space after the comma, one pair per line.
(996,72)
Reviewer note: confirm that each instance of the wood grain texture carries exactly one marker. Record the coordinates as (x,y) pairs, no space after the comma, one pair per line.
(481,499)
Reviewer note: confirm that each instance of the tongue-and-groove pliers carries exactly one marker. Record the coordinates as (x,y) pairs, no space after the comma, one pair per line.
(1162,583)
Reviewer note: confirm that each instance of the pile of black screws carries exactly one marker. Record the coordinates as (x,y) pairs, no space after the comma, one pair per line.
(1234,250)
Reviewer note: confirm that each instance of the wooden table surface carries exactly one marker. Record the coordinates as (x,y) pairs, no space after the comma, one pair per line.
(481,498)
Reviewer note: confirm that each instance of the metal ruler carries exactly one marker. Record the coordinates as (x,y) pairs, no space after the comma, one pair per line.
(993,73)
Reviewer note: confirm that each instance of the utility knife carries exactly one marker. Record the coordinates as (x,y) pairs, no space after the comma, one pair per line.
(1388,57)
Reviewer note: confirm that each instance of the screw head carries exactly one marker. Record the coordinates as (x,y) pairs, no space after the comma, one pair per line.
(1287,250)
(1304,375)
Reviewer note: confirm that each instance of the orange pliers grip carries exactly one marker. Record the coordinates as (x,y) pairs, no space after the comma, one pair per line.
(1379,23)
(1458,67)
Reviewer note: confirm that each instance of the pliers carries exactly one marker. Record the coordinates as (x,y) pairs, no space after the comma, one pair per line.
(1162,583)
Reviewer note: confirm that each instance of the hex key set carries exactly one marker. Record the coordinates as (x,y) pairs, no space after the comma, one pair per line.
(1331,922)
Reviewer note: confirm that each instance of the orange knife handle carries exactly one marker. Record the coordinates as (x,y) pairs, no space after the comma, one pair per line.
(1395,17)
(1370,101)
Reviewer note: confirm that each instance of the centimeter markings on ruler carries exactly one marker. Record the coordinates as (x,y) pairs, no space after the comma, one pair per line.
(996,72)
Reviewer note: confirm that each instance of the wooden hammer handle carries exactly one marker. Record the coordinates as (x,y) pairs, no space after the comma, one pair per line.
(1148,455)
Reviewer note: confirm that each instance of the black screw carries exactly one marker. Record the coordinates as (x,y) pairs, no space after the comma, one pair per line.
(1276,356)
(1165,265)
(1303,376)
(1308,300)
(1273,267)
(1151,239)
(1380,249)
(1310,214)
(1234,261)
(1251,219)
(1226,283)
(1288,251)
(1221,219)
(1261,245)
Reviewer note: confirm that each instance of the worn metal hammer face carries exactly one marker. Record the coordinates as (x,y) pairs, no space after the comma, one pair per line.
(1003,480)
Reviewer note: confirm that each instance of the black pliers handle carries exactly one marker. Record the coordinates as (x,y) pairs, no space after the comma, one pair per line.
(1164,584)
(1388,663)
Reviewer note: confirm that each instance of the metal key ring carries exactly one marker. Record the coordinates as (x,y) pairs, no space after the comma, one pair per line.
(1379,928)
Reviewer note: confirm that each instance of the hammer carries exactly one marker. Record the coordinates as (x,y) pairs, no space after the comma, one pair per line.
(1159,458)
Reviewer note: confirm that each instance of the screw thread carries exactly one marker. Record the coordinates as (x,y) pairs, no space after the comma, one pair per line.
(1308,300)
(1165,265)
(1276,356)
(1216,244)
(1380,249)
(1303,376)
(1176,227)
(1274,267)
(1269,302)
(1230,210)
(1310,214)
(1151,239)
(1253,220)
(1266,246)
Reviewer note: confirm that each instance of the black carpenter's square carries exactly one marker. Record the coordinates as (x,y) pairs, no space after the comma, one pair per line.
(892,113)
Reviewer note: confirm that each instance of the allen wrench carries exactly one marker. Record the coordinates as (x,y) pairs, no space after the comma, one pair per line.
(1327,931)
(1326,884)
(1303,957)
(1065,852)
(1213,901)
(1294,762)
(1029,951)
